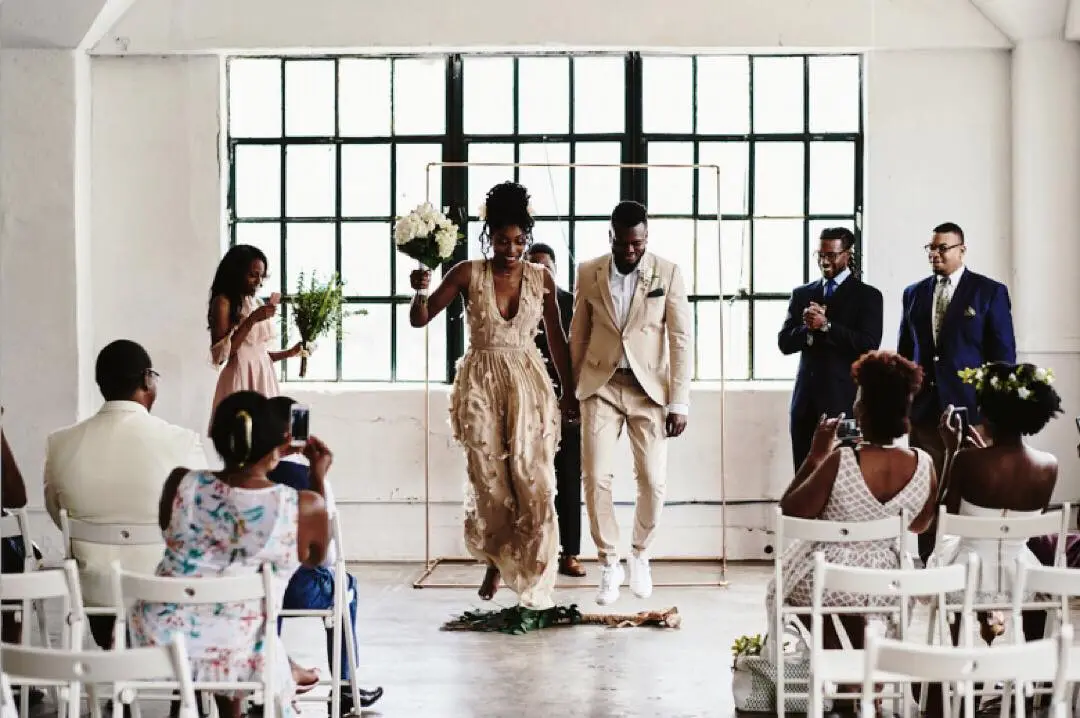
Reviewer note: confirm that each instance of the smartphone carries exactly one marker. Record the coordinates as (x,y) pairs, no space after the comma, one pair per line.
(299,426)
(961,412)
(848,430)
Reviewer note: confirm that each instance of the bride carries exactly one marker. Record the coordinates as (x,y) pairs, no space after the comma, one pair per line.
(503,409)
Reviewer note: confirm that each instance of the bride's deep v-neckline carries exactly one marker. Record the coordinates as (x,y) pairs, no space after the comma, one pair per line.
(494,299)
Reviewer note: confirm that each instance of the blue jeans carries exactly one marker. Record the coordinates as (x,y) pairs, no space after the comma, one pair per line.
(312,589)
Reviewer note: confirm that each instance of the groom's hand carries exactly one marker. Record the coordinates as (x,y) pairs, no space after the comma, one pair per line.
(675,424)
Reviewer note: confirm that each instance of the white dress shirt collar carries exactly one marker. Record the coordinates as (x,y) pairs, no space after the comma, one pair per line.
(839,278)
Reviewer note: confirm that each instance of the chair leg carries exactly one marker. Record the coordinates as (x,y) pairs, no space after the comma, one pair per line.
(350,653)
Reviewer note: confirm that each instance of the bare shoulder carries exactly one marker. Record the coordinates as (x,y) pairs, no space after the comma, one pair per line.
(1044,460)
(311,503)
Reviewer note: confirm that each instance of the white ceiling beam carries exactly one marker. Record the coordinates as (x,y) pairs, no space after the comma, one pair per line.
(110,13)
(1072,21)
(1026,19)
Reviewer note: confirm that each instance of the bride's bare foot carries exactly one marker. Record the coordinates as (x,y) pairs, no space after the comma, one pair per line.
(305,678)
(490,584)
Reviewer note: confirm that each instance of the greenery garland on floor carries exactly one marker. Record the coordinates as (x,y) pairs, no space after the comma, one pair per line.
(518,619)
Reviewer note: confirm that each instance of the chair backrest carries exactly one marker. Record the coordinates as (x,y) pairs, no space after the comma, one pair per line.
(1042,660)
(789,527)
(1005,527)
(1053,580)
(108,534)
(900,584)
(60,582)
(122,667)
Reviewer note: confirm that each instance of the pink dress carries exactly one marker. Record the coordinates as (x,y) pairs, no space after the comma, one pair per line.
(247,365)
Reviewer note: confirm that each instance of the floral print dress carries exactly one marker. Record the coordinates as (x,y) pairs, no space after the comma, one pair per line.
(220,530)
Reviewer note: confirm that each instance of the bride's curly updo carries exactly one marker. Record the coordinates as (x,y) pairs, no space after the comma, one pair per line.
(506,205)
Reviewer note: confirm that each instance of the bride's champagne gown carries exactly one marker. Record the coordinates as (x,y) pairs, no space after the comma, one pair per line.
(504,412)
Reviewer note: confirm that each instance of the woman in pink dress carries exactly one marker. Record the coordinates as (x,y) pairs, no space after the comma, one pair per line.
(241,328)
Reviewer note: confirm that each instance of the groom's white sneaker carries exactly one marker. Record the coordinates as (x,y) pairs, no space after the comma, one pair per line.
(611,577)
(640,575)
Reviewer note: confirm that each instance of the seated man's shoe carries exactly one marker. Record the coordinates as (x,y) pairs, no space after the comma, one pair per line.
(571,566)
(611,577)
(640,575)
(367,699)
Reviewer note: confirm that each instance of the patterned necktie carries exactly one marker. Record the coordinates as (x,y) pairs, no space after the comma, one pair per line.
(830,287)
(941,303)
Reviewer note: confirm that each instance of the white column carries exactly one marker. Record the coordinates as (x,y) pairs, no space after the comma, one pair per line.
(1046,229)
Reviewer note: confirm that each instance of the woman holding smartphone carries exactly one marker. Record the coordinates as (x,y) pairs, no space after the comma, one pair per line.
(241,328)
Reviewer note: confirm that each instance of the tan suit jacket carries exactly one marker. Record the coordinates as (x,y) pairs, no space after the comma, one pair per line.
(110,469)
(656,338)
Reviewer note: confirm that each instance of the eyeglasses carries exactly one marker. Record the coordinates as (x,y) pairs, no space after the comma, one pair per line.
(831,256)
(153,374)
(940,249)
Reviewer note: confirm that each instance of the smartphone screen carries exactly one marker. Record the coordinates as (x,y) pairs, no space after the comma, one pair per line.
(299,427)
(965,421)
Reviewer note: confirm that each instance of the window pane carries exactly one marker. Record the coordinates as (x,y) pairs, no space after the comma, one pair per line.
(254,97)
(599,94)
(309,98)
(671,190)
(723,95)
(481,179)
(590,240)
(668,94)
(420,96)
(778,94)
(778,255)
(473,234)
(365,258)
(543,95)
(365,344)
(815,228)
(410,348)
(488,89)
(597,189)
(673,239)
(548,186)
(834,94)
(310,176)
(365,180)
(364,97)
(309,248)
(413,176)
(778,179)
(267,237)
(769,315)
(832,177)
(733,158)
(734,333)
(257,184)
(735,241)
(557,236)
(321,365)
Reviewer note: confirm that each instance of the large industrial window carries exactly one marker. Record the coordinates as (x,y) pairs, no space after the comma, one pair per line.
(325,152)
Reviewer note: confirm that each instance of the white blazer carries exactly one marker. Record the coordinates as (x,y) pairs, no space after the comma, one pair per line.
(110,469)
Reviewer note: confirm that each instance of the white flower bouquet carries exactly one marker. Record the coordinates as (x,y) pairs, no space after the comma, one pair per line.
(427,235)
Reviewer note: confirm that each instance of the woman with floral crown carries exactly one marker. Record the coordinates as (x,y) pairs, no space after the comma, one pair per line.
(1000,477)
(503,408)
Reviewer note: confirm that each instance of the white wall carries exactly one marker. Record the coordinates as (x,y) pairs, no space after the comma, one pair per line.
(156,239)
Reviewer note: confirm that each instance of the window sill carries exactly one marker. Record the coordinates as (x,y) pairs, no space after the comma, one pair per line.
(359,387)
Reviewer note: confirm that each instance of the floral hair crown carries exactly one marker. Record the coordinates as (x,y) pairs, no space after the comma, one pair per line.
(1019,381)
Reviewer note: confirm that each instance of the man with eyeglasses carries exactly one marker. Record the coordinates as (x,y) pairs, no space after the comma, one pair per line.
(110,469)
(830,322)
(954,319)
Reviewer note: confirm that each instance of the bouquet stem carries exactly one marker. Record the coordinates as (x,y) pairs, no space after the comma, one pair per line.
(303,360)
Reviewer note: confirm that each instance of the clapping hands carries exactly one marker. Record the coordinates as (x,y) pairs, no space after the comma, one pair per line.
(814,316)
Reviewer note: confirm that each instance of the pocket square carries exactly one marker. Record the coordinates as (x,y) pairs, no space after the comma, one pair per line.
(969,312)
(658,292)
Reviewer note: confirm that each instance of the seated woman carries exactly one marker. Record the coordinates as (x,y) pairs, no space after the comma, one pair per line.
(876,479)
(312,588)
(1006,478)
(229,523)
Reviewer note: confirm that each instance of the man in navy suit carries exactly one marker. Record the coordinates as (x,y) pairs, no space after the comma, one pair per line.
(954,319)
(831,322)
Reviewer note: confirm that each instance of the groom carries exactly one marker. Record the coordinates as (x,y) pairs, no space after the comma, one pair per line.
(625,306)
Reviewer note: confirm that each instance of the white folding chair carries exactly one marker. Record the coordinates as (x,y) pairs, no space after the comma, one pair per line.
(7,699)
(129,587)
(899,585)
(29,591)
(336,618)
(126,671)
(822,532)
(1045,660)
(1064,584)
(106,535)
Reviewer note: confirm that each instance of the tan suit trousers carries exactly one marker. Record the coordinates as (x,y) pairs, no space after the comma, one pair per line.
(622,402)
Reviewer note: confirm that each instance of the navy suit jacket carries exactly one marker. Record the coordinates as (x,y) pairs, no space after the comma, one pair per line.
(977,328)
(566,313)
(824,384)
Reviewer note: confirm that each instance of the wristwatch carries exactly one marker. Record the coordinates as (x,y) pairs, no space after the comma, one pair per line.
(828,325)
